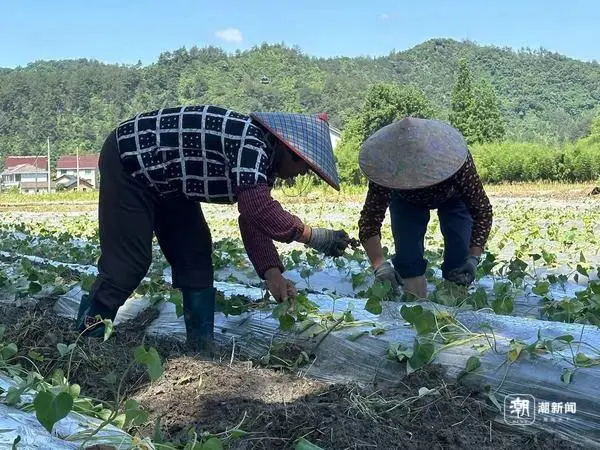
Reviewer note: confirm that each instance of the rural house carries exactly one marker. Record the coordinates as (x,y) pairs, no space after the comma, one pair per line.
(69,182)
(28,171)
(86,165)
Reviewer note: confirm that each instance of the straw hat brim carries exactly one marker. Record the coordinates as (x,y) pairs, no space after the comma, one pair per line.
(306,136)
(413,153)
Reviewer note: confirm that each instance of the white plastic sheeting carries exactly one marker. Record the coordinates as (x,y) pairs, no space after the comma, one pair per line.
(68,433)
(339,359)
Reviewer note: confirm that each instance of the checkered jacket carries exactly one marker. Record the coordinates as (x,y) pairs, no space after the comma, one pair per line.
(203,152)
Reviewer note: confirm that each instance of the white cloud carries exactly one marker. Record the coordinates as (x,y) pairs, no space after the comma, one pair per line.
(230,35)
(384,16)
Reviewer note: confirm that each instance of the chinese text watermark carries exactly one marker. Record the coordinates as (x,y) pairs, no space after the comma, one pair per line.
(524,409)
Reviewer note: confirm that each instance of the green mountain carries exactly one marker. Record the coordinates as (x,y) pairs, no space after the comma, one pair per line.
(545,96)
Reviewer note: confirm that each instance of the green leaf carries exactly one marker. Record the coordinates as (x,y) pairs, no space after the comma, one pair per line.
(422,354)
(15,442)
(479,299)
(515,351)
(305,304)
(134,416)
(286,322)
(8,351)
(74,391)
(212,443)
(34,287)
(594,287)
(108,328)
(303,444)
(64,349)
(541,288)
(35,356)
(397,350)
(377,331)
(583,360)
(565,338)
(13,396)
(157,436)
(151,360)
(86,282)
(503,305)
(176,297)
(373,306)
(49,408)
(381,290)
(422,319)
(582,270)
(358,279)
(473,363)
(281,309)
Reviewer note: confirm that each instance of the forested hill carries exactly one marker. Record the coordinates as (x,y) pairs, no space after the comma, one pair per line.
(544,96)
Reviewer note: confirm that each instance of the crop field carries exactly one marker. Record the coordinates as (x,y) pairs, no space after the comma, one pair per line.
(299,379)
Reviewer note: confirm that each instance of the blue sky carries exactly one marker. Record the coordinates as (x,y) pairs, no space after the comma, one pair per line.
(132,30)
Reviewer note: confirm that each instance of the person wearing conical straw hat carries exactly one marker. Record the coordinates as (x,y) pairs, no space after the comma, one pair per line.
(155,170)
(413,166)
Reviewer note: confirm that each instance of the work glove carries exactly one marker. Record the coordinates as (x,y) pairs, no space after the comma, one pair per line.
(465,274)
(329,242)
(387,272)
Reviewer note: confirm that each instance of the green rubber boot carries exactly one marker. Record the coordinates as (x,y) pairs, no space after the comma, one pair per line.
(199,317)
(86,317)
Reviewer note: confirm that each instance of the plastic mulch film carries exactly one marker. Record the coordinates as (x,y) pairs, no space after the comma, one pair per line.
(341,357)
(68,433)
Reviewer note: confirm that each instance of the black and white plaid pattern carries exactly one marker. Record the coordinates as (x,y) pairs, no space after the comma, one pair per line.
(203,152)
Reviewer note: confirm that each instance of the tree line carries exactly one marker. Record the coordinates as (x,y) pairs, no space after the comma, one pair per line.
(532,96)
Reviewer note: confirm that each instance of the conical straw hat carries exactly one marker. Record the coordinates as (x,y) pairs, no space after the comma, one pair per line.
(308,137)
(412,153)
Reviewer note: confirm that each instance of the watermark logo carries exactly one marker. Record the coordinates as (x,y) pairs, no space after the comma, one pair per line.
(519,409)
(524,409)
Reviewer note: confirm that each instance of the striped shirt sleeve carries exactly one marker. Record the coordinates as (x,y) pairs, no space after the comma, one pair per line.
(262,220)
(260,248)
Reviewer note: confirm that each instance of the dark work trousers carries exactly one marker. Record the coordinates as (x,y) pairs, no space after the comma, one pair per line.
(409,225)
(128,215)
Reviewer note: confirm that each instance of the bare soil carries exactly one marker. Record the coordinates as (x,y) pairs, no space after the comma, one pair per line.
(274,408)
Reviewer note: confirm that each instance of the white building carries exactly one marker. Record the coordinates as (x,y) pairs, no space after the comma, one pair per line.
(32,170)
(87,165)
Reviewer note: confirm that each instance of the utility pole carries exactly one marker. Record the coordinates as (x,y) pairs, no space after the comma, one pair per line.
(77,165)
(48,140)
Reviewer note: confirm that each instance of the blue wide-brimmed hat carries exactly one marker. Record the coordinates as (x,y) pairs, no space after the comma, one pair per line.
(308,137)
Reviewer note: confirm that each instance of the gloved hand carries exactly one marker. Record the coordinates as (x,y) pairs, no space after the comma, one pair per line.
(387,272)
(329,242)
(465,274)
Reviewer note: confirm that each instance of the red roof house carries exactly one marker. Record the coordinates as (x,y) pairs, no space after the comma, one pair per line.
(40,162)
(66,162)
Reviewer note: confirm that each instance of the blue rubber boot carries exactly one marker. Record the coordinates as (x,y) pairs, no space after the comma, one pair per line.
(86,317)
(199,317)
